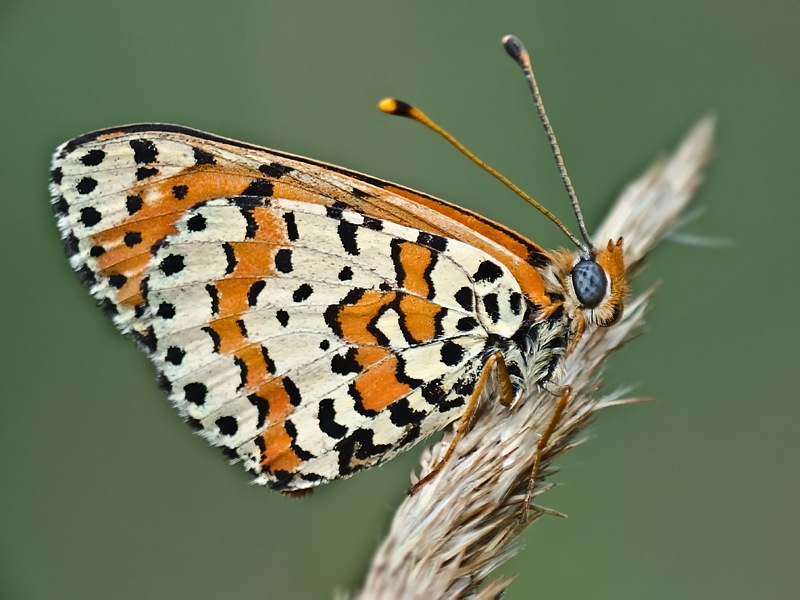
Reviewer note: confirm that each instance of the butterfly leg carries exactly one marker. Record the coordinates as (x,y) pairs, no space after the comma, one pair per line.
(506,390)
(541,446)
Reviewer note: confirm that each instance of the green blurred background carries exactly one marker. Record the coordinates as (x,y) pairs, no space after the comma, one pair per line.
(106,494)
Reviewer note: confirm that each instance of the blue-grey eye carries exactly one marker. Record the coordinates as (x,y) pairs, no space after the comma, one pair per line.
(589,281)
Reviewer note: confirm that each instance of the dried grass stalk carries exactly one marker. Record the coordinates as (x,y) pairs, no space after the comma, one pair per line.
(447,539)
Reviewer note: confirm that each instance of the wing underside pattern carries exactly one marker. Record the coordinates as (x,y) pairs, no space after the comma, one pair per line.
(297,319)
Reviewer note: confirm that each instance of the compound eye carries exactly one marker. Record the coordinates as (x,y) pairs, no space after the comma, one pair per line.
(589,281)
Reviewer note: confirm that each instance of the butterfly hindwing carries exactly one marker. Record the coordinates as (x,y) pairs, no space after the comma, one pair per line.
(301,360)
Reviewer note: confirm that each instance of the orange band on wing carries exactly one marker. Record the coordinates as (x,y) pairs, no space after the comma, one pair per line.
(278,454)
(378,387)
(419,317)
(354,319)
(415,261)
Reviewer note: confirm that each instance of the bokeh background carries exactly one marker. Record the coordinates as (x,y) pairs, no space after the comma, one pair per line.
(104,493)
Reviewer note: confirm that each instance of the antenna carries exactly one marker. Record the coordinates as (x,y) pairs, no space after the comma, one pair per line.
(393,106)
(517,51)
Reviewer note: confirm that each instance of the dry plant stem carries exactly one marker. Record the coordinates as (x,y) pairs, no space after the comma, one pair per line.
(447,538)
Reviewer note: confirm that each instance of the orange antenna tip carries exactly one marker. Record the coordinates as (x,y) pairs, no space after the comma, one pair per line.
(393,106)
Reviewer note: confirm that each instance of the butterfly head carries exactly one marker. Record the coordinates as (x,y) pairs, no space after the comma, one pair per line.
(595,284)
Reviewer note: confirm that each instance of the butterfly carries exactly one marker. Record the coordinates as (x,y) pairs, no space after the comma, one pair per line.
(310,320)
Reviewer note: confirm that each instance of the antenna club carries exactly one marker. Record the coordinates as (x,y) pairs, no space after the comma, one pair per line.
(393,106)
(516,50)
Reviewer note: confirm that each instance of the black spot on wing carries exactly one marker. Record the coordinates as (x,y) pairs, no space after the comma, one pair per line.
(180,191)
(133,204)
(230,258)
(291,226)
(196,223)
(227,425)
(243,370)
(426,275)
(372,325)
(251,227)
(302,293)
(201,157)
(195,393)
(432,241)
(165,310)
(466,324)
(172,265)
(215,339)
(117,280)
(291,391)
(488,271)
(93,158)
(348,233)
(451,353)
(262,405)
(515,302)
(345,364)
(283,317)
(372,223)
(242,328)
(146,339)
(213,293)
(175,355)
(291,429)
(399,270)
(326,416)
(432,391)
(144,151)
(145,172)
(465,298)
(254,291)
(269,364)
(86,185)
(275,170)
(86,275)
(401,374)
(132,238)
(492,307)
(258,187)
(283,260)
(90,216)
(401,413)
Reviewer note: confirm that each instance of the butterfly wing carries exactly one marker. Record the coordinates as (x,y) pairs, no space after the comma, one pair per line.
(307,339)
